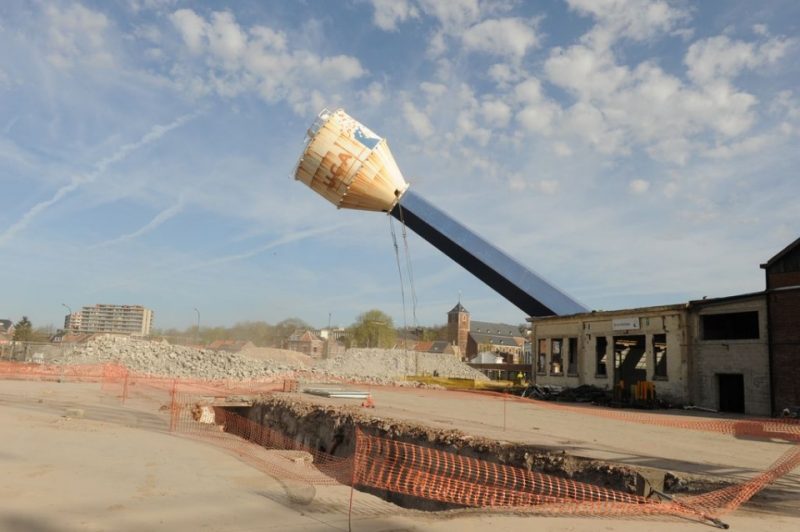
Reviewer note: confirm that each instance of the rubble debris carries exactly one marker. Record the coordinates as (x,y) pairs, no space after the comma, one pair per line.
(164,359)
(396,364)
(160,358)
(584,393)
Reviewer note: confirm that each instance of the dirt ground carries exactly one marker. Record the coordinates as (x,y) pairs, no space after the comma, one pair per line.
(116,468)
(590,436)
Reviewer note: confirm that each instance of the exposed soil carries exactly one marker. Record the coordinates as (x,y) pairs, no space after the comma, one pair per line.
(330,429)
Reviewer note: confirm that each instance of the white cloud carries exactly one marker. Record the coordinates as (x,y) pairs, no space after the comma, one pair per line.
(619,107)
(192,28)
(633,19)
(538,113)
(419,122)
(747,146)
(586,121)
(496,113)
(671,190)
(720,57)
(453,14)
(259,60)
(517,183)
(547,186)
(225,38)
(585,71)
(504,37)
(77,35)
(433,90)
(562,149)
(504,74)
(639,186)
(373,95)
(5,80)
(389,12)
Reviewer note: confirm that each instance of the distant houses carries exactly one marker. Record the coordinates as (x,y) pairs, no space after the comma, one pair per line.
(6,331)
(306,342)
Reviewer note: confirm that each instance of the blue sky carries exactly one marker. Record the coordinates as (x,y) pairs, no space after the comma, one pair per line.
(633,153)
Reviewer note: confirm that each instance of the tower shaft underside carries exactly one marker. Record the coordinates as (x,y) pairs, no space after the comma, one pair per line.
(532,294)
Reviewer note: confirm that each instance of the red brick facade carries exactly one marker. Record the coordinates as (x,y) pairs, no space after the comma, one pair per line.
(783,273)
(458,327)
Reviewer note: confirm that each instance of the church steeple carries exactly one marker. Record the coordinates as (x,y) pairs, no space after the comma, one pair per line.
(458,327)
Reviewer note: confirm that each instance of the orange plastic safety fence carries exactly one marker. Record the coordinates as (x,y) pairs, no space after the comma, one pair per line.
(728,499)
(410,469)
(446,477)
(268,449)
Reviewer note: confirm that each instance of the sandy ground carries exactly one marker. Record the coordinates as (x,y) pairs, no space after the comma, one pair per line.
(118,469)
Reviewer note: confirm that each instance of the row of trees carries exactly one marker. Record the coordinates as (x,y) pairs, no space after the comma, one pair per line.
(260,333)
(373,328)
(24,331)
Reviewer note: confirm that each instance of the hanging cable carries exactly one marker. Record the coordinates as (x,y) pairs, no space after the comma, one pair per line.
(409,270)
(402,286)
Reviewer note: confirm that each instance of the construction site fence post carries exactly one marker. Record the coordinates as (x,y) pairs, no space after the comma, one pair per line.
(173,407)
(125,386)
(353,477)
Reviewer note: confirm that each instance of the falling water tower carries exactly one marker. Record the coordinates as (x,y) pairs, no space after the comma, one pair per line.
(353,168)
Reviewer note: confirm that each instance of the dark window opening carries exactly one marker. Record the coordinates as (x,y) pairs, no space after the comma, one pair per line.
(630,362)
(731,392)
(556,362)
(660,355)
(600,350)
(541,357)
(572,357)
(730,326)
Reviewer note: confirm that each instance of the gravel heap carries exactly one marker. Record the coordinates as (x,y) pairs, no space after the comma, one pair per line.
(395,364)
(165,359)
(384,366)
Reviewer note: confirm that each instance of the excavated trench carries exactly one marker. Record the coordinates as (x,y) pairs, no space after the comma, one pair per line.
(330,429)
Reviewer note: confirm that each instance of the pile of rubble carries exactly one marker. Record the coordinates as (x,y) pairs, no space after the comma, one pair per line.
(165,359)
(386,365)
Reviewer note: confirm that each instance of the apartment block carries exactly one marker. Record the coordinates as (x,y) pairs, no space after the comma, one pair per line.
(134,320)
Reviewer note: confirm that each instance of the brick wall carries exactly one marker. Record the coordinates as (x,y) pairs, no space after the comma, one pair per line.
(785,346)
(749,358)
(780,280)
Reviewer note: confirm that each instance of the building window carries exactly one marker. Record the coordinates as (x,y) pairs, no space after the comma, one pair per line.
(600,356)
(730,326)
(572,360)
(541,357)
(556,363)
(660,356)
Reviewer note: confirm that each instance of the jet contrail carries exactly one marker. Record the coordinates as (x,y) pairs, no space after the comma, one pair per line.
(155,133)
(171,269)
(157,220)
(285,239)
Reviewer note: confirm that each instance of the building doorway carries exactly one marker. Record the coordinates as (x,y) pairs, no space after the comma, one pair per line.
(630,364)
(731,392)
